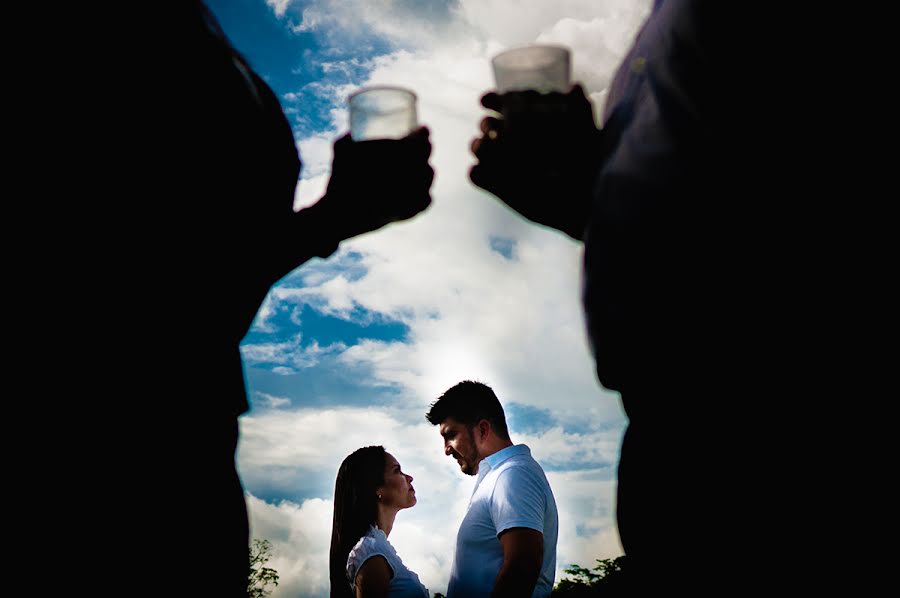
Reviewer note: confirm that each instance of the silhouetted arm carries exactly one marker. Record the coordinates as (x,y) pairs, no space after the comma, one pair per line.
(541,156)
(376,182)
(372,183)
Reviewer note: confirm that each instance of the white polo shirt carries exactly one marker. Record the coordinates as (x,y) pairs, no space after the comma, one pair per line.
(511,491)
(404,583)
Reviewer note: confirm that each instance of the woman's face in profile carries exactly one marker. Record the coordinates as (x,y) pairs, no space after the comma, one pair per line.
(397,491)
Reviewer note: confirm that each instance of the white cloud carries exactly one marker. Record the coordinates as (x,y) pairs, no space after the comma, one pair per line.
(279,7)
(519,22)
(300,534)
(317,153)
(270,401)
(403,22)
(558,447)
(587,529)
(289,354)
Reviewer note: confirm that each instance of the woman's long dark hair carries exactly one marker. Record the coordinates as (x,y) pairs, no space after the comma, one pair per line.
(355,509)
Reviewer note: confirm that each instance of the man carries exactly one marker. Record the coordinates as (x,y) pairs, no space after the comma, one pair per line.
(681,200)
(201,206)
(506,545)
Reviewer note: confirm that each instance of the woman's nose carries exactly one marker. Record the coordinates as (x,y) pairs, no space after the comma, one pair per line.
(409,478)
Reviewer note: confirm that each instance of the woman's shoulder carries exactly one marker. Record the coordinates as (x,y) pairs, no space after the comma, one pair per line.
(372,544)
(373,538)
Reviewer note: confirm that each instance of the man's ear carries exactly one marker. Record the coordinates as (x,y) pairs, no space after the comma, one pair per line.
(483,429)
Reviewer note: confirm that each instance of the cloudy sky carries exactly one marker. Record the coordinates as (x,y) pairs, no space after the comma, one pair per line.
(350,351)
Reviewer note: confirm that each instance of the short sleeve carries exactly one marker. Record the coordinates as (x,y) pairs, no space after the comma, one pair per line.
(519,500)
(368,546)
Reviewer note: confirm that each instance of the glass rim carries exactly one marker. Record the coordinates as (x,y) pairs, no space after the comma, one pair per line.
(561,48)
(397,88)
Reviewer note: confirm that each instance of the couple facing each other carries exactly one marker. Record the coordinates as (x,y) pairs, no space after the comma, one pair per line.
(506,544)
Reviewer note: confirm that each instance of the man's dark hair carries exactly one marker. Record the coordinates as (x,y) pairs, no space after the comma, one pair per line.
(470,402)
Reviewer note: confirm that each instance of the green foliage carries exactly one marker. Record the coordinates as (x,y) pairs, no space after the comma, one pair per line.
(260,576)
(603,580)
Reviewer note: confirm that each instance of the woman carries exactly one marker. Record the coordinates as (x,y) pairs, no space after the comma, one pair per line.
(369,492)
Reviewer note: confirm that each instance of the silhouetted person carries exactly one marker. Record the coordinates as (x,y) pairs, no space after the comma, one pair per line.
(673,199)
(203,226)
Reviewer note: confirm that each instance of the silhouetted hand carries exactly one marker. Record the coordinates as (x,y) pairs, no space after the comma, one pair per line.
(376,182)
(541,156)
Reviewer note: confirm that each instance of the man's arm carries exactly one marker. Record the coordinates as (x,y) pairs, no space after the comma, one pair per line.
(373,578)
(523,555)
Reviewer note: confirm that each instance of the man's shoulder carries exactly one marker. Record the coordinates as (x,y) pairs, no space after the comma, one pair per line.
(523,462)
(520,470)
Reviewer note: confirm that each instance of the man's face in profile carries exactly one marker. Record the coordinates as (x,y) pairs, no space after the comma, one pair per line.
(459,443)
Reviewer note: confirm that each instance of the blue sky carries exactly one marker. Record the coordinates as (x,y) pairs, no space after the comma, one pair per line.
(291,60)
(350,351)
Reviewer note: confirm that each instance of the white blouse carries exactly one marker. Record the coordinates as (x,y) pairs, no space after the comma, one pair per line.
(404,583)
